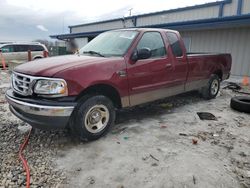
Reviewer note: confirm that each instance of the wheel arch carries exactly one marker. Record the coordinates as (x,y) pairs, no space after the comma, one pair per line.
(37,57)
(103,89)
(219,73)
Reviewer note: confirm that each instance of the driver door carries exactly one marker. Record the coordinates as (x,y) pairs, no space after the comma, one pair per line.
(147,76)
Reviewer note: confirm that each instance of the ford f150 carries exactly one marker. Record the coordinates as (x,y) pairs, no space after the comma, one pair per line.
(117,69)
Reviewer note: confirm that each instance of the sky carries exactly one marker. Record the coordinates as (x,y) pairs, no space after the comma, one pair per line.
(27,20)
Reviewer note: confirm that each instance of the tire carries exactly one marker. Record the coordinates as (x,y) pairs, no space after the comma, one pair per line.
(92,117)
(211,90)
(241,104)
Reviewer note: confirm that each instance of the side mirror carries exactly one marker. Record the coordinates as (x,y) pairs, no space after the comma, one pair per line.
(0,50)
(143,53)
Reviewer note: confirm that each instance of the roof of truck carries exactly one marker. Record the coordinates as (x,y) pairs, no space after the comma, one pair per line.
(144,29)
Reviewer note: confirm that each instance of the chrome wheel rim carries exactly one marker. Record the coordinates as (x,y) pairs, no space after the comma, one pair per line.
(96,118)
(214,87)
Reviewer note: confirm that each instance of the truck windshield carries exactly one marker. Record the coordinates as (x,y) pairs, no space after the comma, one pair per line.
(112,43)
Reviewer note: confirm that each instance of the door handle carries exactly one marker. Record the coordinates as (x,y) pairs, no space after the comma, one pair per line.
(168,65)
(122,73)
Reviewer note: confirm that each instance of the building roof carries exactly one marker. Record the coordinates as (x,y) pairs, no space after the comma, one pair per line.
(219,21)
(159,12)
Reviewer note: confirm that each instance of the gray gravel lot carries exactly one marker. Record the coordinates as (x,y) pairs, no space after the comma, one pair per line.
(150,146)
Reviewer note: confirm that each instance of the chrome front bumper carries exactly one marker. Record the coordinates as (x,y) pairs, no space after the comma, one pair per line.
(40,110)
(40,114)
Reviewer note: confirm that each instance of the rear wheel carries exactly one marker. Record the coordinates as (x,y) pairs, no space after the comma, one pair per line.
(211,90)
(92,117)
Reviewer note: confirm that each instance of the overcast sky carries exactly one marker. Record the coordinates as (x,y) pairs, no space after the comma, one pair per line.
(22,20)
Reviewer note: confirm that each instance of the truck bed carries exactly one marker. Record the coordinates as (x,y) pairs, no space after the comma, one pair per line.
(201,64)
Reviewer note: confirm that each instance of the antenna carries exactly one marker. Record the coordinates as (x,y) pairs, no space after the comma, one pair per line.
(130,11)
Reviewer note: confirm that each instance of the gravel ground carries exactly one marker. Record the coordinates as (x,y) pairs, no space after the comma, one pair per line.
(40,152)
(150,146)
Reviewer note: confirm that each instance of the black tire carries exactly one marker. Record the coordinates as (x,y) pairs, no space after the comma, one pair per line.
(207,91)
(241,104)
(77,123)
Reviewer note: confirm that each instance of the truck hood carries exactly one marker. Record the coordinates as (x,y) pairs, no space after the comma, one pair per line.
(48,67)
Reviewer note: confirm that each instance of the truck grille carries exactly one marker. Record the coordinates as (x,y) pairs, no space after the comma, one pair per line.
(22,84)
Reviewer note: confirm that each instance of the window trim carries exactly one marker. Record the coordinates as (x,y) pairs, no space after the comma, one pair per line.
(161,57)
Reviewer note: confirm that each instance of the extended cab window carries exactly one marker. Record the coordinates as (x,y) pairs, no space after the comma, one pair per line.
(7,49)
(175,44)
(154,42)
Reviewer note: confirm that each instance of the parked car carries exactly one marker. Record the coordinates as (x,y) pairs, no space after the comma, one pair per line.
(117,69)
(19,51)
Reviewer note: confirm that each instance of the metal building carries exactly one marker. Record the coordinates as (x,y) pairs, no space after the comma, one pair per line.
(221,26)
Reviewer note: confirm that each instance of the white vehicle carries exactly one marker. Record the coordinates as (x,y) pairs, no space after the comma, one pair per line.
(19,51)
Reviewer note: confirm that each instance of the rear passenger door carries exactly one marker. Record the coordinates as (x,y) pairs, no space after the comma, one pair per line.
(179,58)
(21,52)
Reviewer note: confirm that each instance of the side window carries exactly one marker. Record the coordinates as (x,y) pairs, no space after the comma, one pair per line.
(154,42)
(187,43)
(7,49)
(36,48)
(175,44)
(21,48)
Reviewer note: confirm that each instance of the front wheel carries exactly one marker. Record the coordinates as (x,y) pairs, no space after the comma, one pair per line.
(211,90)
(92,117)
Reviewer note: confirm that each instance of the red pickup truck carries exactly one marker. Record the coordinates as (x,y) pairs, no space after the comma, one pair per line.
(117,69)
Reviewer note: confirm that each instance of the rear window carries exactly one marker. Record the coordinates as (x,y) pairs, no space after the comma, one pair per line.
(175,44)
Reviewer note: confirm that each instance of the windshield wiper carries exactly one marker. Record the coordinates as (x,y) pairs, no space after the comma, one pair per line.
(93,52)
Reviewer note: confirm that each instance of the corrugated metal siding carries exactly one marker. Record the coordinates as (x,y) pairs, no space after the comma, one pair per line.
(103,26)
(201,13)
(81,42)
(230,9)
(246,7)
(97,27)
(235,41)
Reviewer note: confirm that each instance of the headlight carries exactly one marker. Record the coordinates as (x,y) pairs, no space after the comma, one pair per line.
(51,88)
